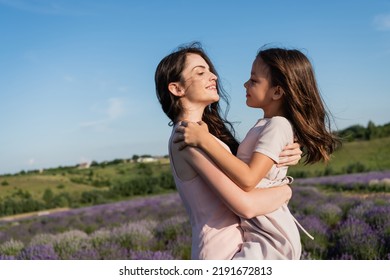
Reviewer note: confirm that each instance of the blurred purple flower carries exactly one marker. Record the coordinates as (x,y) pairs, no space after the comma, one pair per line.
(330,213)
(43,239)
(319,230)
(135,235)
(68,243)
(378,216)
(87,254)
(150,255)
(90,219)
(112,251)
(5,257)
(346,257)
(345,179)
(356,238)
(11,247)
(38,252)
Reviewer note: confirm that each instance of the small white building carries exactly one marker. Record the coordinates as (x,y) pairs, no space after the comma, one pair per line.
(146,159)
(84,165)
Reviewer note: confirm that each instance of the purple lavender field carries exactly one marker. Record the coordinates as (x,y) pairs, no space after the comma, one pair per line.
(345,225)
(370,181)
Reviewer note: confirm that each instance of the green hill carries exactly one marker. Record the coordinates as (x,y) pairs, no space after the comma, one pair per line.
(352,157)
(72,187)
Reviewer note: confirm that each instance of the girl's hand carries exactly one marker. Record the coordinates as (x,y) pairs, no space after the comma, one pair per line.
(290,155)
(190,134)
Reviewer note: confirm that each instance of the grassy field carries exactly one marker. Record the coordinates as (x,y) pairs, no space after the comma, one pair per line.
(37,184)
(367,155)
(76,181)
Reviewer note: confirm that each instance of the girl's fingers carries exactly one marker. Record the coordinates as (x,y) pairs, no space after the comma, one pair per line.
(178,137)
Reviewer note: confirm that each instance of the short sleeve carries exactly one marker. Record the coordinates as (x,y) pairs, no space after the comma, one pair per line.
(277,133)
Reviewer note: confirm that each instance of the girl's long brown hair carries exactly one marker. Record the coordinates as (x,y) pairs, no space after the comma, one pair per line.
(292,71)
(170,70)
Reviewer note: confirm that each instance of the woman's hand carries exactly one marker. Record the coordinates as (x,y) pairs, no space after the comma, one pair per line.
(190,134)
(290,155)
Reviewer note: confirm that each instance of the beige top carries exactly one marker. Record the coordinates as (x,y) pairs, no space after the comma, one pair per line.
(216,234)
(274,235)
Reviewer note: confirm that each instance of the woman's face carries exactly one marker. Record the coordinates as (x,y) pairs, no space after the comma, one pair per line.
(198,82)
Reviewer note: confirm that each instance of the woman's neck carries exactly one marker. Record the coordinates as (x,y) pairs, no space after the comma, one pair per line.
(194,115)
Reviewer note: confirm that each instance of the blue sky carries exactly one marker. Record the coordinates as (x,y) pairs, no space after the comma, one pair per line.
(76,77)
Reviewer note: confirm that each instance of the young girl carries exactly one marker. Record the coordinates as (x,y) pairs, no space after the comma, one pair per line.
(283,85)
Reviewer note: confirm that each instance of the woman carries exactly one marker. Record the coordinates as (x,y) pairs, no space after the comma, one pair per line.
(188,89)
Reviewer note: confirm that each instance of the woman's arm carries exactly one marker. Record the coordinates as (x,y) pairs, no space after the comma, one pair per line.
(291,155)
(245,204)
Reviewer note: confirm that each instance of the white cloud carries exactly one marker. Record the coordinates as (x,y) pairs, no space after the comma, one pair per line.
(382,22)
(101,125)
(115,108)
(113,111)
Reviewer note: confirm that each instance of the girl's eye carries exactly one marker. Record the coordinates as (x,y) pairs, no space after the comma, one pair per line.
(200,73)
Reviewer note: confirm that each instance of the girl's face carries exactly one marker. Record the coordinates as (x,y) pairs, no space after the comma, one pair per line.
(199,85)
(259,90)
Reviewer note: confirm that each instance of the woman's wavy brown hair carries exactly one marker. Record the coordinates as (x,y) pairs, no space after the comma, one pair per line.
(303,105)
(170,70)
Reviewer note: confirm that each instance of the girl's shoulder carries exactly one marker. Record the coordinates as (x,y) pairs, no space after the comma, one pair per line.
(279,126)
(278,121)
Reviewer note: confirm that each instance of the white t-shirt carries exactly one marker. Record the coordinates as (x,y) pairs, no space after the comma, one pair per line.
(268,136)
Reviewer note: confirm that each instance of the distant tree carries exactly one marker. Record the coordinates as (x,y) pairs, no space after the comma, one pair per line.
(383,131)
(371,131)
(114,162)
(48,196)
(359,132)
(146,156)
(355,132)
(135,157)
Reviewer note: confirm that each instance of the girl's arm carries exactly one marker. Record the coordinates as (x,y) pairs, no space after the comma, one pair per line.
(290,155)
(245,204)
(247,176)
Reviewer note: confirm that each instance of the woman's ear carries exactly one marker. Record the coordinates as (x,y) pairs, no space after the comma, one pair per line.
(278,93)
(176,89)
